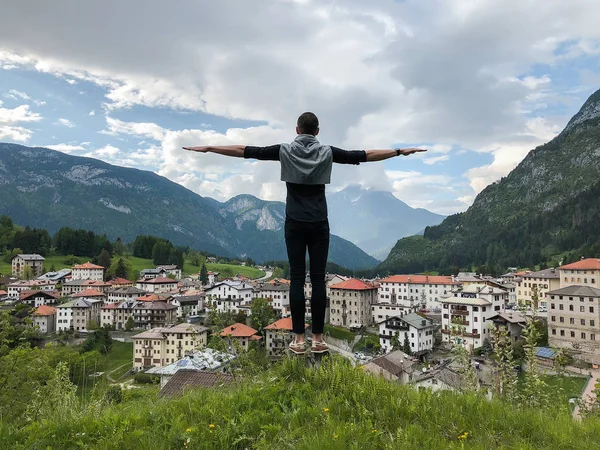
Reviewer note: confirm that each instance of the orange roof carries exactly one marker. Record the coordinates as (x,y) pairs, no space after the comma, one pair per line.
(31,292)
(88,293)
(584,264)
(120,281)
(110,306)
(278,280)
(353,284)
(87,265)
(95,283)
(45,310)
(151,298)
(3,292)
(157,280)
(418,279)
(282,324)
(238,330)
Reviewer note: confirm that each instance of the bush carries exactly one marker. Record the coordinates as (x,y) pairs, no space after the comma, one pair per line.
(339,333)
(146,378)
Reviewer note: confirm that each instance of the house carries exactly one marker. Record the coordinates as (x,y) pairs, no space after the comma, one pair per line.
(153,314)
(395,366)
(117,314)
(189,305)
(118,295)
(38,298)
(148,274)
(118,283)
(211,260)
(154,298)
(213,277)
(185,380)
(442,378)
(574,319)
(417,329)
(78,314)
(90,294)
(278,336)
(161,346)
(278,296)
(75,286)
(15,288)
(207,360)
(512,320)
(351,302)
(158,284)
(34,261)
(240,335)
(545,356)
(87,271)
(537,283)
(229,295)
(585,272)
(171,269)
(44,319)
(3,295)
(466,310)
(404,293)
(57,277)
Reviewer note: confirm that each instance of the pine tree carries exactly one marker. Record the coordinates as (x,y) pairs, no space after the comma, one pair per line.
(121,269)
(130,324)
(104,259)
(406,346)
(204,275)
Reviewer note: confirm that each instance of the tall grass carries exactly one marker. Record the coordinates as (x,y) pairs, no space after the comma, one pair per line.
(336,406)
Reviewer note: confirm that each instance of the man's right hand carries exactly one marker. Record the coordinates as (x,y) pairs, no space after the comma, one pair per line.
(202,149)
(410,151)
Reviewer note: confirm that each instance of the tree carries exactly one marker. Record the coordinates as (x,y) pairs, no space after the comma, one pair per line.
(534,390)
(261,314)
(161,252)
(52,268)
(204,275)
(130,324)
(28,273)
(121,270)
(10,255)
(406,345)
(395,341)
(506,379)
(104,259)
(119,248)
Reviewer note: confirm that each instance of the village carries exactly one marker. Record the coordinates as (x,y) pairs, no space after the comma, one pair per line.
(401,327)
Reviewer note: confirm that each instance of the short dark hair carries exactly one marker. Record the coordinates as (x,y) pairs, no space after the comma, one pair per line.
(308,123)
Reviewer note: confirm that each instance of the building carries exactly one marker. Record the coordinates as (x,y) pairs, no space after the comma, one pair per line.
(119,282)
(34,261)
(213,277)
(158,284)
(44,319)
(512,320)
(351,302)
(78,314)
(582,273)
(117,314)
(75,286)
(411,292)
(17,287)
(108,316)
(240,336)
(57,277)
(189,305)
(278,296)
(330,279)
(574,320)
(417,329)
(118,295)
(90,294)
(87,271)
(278,335)
(148,315)
(395,366)
(537,283)
(229,295)
(38,298)
(171,269)
(466,311)
(161,346)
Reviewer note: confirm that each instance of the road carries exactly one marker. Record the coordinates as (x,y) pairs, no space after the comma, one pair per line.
(268,275)
(588,395)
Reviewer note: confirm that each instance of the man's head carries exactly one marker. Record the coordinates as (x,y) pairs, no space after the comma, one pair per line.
(307,124)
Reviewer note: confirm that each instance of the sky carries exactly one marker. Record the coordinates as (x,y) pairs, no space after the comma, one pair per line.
(478,83)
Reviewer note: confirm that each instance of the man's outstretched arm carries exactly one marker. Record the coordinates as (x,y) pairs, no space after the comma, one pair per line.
(236,151)
(380,155)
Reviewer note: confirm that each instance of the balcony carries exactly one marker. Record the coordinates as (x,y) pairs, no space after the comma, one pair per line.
(459,312)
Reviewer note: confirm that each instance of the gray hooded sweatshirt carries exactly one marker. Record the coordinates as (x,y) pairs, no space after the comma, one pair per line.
(306,161)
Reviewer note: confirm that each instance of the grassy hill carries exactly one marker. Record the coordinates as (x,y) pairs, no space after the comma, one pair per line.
(138,264)
(291,407)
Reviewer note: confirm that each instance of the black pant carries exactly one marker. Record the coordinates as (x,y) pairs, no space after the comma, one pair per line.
(298,237)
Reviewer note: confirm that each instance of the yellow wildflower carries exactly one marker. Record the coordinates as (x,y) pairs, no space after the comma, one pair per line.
(325,409)
(335,436)
(212,425)
(188,430)
(373,430)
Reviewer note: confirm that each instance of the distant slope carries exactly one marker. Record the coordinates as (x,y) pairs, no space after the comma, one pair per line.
(547,205)
(49,189)
(375,220)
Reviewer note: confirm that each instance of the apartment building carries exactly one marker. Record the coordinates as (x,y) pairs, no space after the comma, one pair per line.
(87,271)
(278,335)
(540,283)
(278,296)
(44,319)
(417,329)
(158,284)
(77,314)
(229,295)
(414,291)
(148,315)
(161,346)
(350,303)
(119,295)
(585,272)
(34,261)
(466,310)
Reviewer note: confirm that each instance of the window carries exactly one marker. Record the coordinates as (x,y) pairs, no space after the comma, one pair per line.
(553,318)
(582,335)
(572,334)
(561,319)
(475,319)
(553,331)
(570,307)
(591,309)
(582,309)
(551,305)
(560,307)
(592,336)
(572,321)
(562,332)
(592,323)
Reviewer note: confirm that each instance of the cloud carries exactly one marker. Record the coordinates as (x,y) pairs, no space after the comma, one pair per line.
(148,130)
(436,159)
(65,148)
(12,133)
(10,117)
(66,122)
(92,113)
(14,94)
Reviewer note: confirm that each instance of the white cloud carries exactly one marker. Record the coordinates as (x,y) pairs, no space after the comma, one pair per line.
(106,152)
(92,113)
(66,122)
(148,130)
(19,114)
(65,148)
(71,81)
(436,159)
(19,134)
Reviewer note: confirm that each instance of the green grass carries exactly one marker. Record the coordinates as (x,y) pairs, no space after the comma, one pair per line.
(367,342)
(291,407)
(230,270)
(565,387)
(120,357)
(339,332)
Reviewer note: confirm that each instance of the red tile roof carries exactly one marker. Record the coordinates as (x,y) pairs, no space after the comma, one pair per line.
(584,264)
(45,310)
(95,283)
(111,306)
(88,265)
(23,295)
(151,298)
(3,292)
(238,330)
(282,324)
(88,293)
(418,279)
(120,281)
(353,284)
(158,280)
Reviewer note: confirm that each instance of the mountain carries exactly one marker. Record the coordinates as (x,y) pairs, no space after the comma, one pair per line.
(49,189)
(375,220)
(546,206)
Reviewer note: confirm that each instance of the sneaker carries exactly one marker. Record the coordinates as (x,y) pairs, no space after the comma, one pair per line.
(319,347)
(298,348)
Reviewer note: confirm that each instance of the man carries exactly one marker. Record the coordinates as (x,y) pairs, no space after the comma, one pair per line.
(306,168)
